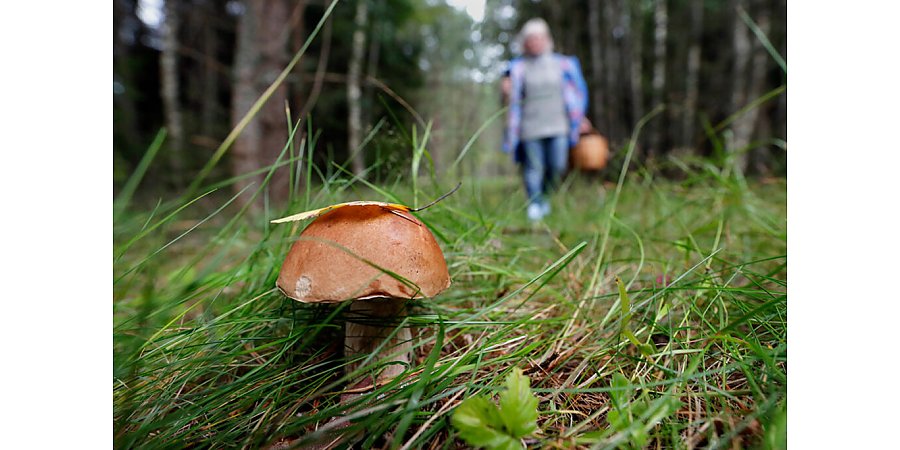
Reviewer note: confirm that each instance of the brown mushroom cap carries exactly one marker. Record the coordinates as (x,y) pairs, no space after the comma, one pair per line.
(328,262)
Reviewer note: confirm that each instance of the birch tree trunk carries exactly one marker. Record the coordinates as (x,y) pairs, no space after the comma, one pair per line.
(168,66)
(660,31)
(692,77)
(354,93)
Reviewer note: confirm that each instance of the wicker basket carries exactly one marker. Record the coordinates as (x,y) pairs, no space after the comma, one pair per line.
(591,153)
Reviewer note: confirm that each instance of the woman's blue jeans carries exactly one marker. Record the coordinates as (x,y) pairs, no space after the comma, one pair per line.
(543,166)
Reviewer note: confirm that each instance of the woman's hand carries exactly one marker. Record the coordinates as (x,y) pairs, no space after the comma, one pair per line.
(585,127)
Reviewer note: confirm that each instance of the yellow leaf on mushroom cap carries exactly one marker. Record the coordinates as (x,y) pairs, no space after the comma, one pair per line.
(320,211)
(387,206)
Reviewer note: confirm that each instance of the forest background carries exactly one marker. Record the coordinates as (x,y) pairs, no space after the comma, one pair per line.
(844,92)
(196,67)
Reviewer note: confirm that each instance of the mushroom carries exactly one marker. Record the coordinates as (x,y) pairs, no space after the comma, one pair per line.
(376,257)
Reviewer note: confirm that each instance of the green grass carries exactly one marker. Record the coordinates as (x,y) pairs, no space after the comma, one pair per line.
(207,353)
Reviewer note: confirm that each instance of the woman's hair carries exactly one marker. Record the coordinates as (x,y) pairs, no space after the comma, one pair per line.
(532,27)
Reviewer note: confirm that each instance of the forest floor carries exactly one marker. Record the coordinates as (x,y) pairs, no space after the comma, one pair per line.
(209,354)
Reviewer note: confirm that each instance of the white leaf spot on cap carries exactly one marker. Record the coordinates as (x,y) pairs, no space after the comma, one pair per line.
(303,287)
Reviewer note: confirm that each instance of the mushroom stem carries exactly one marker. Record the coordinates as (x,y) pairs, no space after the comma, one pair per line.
(369,324)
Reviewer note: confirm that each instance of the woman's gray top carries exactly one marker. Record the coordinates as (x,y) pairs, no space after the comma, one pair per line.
(543,108)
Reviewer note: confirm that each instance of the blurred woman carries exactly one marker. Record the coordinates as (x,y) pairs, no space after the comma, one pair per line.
(548,99)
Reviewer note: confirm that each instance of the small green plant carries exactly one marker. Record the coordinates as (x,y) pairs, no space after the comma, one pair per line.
(632,418)
(625,330)
(482,424)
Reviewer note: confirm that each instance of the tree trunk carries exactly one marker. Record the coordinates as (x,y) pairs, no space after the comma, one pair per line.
(126,121)
(598,86)
(298,93)
(692,77)
(780,115)
(374,53)
(245,151)
(321,66)
(555,22)
(660,32)
(747,82)
(636,67)
(354,94)
(169,87)
(572,31)
(749,123)
(611,62)
(210,101)
(275,129)
(260,55)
